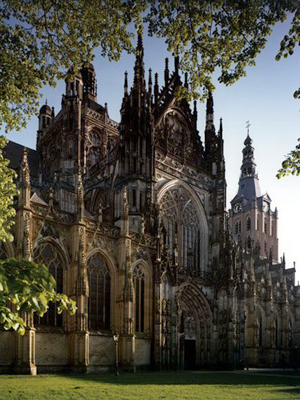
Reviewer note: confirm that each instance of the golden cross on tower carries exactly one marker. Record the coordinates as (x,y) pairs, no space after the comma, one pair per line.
(248,126)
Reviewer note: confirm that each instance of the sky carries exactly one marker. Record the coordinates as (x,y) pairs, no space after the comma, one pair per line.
(264,97)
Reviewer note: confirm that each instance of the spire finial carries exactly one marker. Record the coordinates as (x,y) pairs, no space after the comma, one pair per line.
(156,88)
(126,83)
(139,71)
(221,127)
(150,78)
(186,85)
(210,107)
(25,173)
(166,71)
(248,126)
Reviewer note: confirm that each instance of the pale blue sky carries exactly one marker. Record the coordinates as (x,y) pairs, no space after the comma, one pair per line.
(264,96)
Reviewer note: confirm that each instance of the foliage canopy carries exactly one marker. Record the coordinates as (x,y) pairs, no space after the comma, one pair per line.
(40,40)
(28,287)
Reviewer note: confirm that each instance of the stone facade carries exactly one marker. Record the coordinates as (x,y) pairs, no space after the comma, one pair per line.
(131,220)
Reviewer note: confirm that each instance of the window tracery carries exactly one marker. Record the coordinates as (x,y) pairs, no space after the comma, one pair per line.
(100,293)
(48,254)
(181,222)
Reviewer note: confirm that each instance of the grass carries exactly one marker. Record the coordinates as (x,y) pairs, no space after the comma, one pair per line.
(152,385)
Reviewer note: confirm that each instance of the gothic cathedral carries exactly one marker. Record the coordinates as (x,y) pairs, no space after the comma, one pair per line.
(131,220)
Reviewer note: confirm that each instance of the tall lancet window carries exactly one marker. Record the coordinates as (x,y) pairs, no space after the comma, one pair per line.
(100,288)
(181,222)
(48,254)
(139,287)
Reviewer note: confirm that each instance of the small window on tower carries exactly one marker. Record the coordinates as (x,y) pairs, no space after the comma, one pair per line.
(236,227)
(240,226)
(265,247)
(257,223)
(266,226)
(248,223)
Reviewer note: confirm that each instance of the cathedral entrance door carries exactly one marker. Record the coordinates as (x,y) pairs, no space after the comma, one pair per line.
(189,354)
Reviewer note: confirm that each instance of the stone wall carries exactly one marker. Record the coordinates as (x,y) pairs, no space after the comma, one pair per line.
(101,351)
(7,348)
(142,352)
(51,349)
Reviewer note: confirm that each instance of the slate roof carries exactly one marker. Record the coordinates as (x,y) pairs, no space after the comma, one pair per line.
(14,152)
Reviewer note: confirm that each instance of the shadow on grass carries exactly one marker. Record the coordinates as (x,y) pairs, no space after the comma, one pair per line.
(188,378)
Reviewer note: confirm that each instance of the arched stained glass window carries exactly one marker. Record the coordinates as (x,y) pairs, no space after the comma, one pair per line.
(139,286)
(48,254)
(181,222)
(100,292)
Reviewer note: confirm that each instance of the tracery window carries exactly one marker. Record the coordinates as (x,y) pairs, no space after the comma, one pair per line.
(181,222)
(248,223)
(139,286)
(100,293)
(47,254)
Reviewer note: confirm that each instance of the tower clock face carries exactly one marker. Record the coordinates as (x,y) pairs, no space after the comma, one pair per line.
(237,207)
(266,206)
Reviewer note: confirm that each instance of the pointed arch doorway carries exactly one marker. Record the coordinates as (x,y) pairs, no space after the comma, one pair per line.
(194,328)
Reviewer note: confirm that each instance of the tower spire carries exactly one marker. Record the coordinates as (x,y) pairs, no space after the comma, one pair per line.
(248,184)
(139,68)
(210,109)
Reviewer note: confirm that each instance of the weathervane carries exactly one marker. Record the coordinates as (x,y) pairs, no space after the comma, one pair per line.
(248,126)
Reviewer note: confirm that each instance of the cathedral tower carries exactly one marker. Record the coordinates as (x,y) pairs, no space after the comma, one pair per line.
(253,223)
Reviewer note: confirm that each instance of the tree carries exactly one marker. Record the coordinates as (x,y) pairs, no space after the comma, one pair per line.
(29,288)
(24,285)
(291,165)
(7,192)
(41,40)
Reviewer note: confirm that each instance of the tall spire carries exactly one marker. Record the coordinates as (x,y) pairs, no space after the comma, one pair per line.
(209,109)
(210,131)
(139,68)
(221,129)
(248,184)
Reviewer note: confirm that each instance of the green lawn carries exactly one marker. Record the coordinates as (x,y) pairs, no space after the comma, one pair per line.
(152,385)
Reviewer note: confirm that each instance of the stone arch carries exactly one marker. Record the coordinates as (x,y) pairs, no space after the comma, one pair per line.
(113,279)
(259,327)
(57,243)
(194,324)
(201,215)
